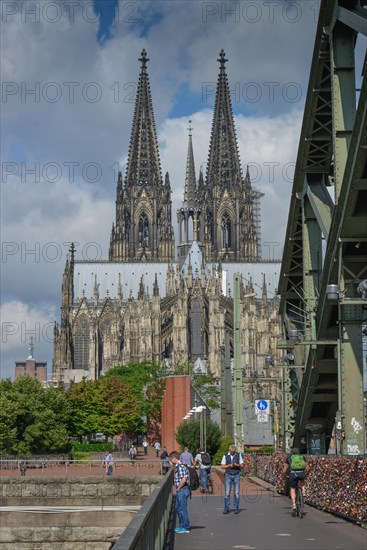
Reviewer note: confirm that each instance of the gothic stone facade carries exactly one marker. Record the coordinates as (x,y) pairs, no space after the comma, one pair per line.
(141,303)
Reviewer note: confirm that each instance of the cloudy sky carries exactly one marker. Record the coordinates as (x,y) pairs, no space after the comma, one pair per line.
(69,75)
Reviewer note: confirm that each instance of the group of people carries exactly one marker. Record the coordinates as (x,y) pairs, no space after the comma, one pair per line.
(108,461)
(202,461)
(232,463)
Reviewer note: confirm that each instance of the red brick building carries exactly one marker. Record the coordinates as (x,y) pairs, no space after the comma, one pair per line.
(179,398)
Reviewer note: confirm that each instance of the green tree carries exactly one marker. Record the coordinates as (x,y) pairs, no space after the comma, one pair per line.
(188,435)
(108,405)
(86,408)
(146,381)
(8,430)
(121,409)
(35,418)
(207,388)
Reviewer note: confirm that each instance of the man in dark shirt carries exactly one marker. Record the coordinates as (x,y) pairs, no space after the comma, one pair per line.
(180,481)
(232,463)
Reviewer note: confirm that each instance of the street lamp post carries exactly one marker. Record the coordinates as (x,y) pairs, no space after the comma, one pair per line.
(202,410)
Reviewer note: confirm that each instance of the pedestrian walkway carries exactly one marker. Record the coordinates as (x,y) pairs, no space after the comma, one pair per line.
(264,523)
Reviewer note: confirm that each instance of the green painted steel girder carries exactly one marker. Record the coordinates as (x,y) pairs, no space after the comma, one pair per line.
(237,366)
(332,150)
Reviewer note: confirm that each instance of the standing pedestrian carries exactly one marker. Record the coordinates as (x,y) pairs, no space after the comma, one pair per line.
(108,463)
(145,446)
(180,480)
(203,461)
(187,457)
(22,467)
(157,447)
(164,460)
(232,463)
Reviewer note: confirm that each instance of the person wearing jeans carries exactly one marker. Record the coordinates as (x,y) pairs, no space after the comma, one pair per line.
(204,468)
(180,480)
(232,463)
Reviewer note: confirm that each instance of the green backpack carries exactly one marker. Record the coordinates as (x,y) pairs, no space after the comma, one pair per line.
(297,462)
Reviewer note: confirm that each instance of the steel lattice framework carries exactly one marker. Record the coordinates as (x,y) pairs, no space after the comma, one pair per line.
(326,242)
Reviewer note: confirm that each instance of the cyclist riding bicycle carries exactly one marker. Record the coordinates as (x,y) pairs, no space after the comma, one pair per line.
(297,466)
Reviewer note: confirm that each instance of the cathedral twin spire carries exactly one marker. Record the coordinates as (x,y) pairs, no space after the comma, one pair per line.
(224,166)
(143,166)
(218,213)
(143,230)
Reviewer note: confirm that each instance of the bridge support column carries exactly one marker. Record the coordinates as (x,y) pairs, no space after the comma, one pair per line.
(350,357)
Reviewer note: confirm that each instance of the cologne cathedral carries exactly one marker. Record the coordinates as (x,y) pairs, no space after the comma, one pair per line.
(149,301)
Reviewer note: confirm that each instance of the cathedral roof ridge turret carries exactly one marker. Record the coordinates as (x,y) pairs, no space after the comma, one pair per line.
(193,261)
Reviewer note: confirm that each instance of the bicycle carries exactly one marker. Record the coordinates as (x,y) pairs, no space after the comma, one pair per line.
(299,499)
(209,483)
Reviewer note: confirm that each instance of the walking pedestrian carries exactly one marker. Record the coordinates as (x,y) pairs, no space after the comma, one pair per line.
(203,461)
(132,452)
(232,463)
(165,461)
(145,446)
(157,447)
(180,481)
(187,457)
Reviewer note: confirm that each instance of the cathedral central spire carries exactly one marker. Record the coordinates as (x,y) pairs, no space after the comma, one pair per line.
(190,178)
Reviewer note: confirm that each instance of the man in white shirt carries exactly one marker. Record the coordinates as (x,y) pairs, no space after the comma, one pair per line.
(232,463)
(145,446)
(157,446)
(201,458)
(108,463)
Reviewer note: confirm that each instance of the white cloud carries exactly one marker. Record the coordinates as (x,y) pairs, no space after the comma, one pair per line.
(268,145)
(183,43)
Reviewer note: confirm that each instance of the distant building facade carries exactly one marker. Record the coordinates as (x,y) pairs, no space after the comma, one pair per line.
(31,367)
(142,303)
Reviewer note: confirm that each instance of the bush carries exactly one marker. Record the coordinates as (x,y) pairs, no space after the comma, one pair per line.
(222,450)
(79,456)
(188,435)
(95,447)
(265,449)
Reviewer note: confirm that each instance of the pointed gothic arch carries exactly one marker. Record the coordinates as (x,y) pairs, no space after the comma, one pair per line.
(104,337)
(81,342)
(195,335)
(143,230)
(210,225)
(226,231)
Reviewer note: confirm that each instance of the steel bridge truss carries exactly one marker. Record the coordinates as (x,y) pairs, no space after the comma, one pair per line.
(326,242)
